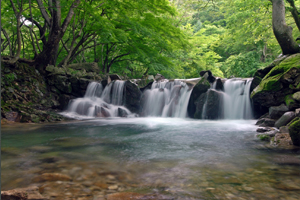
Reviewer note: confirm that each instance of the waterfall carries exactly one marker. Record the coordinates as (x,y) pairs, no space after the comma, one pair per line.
(168,98)
(237,104)
(99,102)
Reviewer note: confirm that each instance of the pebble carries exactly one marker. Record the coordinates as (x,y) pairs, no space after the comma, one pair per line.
(113,187)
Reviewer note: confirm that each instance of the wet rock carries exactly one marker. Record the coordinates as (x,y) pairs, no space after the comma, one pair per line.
(208,105)
(132,97)
(29,193)
(267,135)
(52,177)
(287,185)
(276,112)
(282,140)
(286,160)
(208,75)
(285,119)
(201,87)
(12,116)
(266,122)
(263,129)
(219,84)
(125,196)
(294,132)
(122,112)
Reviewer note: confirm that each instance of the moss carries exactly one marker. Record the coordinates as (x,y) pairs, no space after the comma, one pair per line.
(289,100)
(271,82)
(294,131)
(264,137)
(295,119)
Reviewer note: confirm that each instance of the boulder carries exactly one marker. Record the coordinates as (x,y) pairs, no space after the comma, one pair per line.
(122,112)
(285,119)
(219,84)
(88,67)
(12,116)
(294,131)
(281,80)
(201,87)
(22,194)
(208,105)
(290,102)
(266,122)
(132,97)
(267,135)
(276,112)
(296,96)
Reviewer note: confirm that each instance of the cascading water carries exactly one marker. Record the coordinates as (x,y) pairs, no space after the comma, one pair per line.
(232,103)
(237,104)
(98,102)
(168,98)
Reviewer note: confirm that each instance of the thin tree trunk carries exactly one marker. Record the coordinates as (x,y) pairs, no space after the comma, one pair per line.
(282,32)
(17,14)
(8,40)
(295,13)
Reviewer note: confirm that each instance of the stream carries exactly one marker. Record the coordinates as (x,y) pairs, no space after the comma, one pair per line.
(172,157)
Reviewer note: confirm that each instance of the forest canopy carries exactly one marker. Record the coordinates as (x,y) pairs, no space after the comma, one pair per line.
(175,38)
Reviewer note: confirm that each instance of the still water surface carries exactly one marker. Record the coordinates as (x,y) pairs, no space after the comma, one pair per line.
(182,158)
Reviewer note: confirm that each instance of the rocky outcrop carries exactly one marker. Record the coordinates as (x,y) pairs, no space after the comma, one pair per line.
(132,97)
(28,96)
(200,88)
(279,92)
(208,105)
(281,80)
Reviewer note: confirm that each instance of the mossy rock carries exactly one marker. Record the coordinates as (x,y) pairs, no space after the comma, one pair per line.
(55,70)
(294,131)
(271,82)
(88,67)
(290,102)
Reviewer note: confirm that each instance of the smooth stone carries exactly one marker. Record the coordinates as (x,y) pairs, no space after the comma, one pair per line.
(285,119)
(276,112)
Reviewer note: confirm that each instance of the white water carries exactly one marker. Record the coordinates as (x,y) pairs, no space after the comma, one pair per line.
(237,104)
(98,102)
(167,99)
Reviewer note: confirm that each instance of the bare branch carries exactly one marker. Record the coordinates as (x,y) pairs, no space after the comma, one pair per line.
(44,12)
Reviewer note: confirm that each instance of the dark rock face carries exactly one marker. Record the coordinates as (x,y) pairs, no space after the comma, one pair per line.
(219,84)
(276,112)
(209,103)
(294,131)
(285,119)
(122,112)
(132,97)
(201,87)
(208,75)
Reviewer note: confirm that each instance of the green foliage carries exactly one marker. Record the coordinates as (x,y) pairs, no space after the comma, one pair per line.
(177,39)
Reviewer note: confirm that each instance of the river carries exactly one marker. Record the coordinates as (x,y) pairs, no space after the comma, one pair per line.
(174,157)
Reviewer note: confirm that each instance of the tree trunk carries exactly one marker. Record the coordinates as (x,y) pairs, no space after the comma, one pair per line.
(282,32)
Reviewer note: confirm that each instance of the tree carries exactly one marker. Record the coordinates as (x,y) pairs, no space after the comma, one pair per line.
(282,31)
